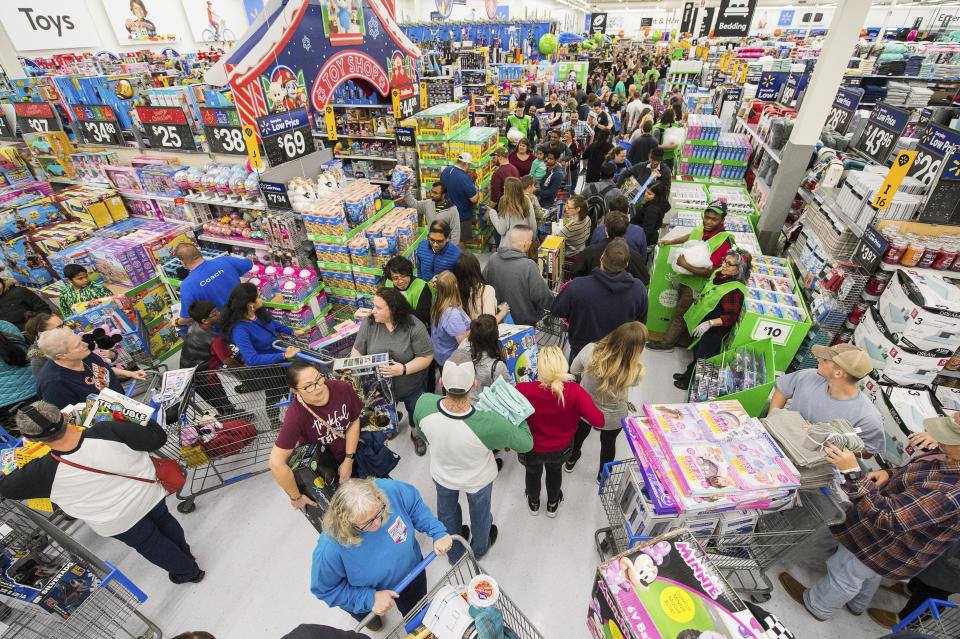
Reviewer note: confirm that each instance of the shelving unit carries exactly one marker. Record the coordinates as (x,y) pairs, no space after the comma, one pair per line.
(347,156)
(204,237)
(751,130)
(362,106)
(258,206)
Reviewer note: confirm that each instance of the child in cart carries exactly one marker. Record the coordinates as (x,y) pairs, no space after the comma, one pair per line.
(206,349)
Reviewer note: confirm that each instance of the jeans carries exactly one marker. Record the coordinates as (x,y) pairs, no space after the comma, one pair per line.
(410,403)
(608,443)
(847,581)
(709,345)
(159,538)
(409,596)
(574,178)
(450,513)
(535,463)
(678,327)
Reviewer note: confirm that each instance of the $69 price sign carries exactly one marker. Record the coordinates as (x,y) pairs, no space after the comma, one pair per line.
(286,136)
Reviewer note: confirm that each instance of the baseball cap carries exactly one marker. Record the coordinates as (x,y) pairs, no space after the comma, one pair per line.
(719,206)
(458,373)
(945,430)
(465,157)
(853,359)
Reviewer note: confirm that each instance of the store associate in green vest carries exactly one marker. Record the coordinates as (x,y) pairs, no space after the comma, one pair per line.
(418,293)
(719,241)
(716,310)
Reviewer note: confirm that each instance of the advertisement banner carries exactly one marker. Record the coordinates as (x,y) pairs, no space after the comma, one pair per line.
(735,18)
(48,24)
(215,20)
(786,18)
(770,83)
(706,20)
(137,22)
(686,20)
(598,23)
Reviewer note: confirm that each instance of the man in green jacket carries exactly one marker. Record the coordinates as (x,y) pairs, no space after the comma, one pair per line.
(520,120)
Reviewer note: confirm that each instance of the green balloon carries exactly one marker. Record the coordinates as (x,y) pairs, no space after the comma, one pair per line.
(589,44)
(655,36)
(548,43)
(673,34)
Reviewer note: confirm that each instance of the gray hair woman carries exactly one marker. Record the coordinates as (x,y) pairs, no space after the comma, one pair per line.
(74,372)
(368,546)
(716,310)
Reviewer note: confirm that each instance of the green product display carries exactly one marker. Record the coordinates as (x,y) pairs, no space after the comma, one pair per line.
(707,300)
(753,400)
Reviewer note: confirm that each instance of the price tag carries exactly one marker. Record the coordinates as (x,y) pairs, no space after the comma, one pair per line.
(405,136)
(167,128)
(405,101)
(934,143)
(503,100)
(330,120)
(843,107)
(221,128)
(901,164)
(253,146)
(36,117)
(98,124)
(869,250)
(275,194)
(883,129)
(286,136)
(778,332)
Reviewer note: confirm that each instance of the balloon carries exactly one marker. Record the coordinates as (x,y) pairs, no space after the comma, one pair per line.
(673,34)
(655,36)
(566,37)
(620,33)
(912,35)
(590,44)
(598,37)
(548,43)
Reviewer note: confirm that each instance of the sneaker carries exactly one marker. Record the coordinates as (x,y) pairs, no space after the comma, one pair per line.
(677,376)
(493,536)
(465,532)
(659,346)
(571,463)
(552,509)
(419,446)
(533,507)
(180,580)
(683,383)
(375,625)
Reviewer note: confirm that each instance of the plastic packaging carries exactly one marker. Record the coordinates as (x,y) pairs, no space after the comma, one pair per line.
(483,591)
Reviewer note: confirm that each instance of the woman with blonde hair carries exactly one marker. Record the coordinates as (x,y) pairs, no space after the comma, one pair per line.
(559,403)
(368,546)
(449,323)
(609,370)
(512,209)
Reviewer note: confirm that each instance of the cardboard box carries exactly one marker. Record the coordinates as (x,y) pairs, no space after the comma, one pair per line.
(25,213)
(922,309)
(518,345)
(903,410)
(122,262)
(663,588)
(25,262)
(897,362)
(315,471)
(550,260)
(53,585)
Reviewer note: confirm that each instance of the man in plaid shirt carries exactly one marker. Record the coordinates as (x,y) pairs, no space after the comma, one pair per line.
(900,522)
(582,132)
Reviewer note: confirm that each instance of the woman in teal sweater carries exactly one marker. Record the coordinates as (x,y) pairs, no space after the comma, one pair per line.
(17,385)
(368,546)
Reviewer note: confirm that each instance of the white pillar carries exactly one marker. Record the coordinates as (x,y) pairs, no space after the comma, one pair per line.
(8,57)
(886,20)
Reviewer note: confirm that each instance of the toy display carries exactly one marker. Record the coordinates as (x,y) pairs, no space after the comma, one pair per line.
(220,183)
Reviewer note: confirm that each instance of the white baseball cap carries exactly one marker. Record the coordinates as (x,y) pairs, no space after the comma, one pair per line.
(465,157)
(458,373)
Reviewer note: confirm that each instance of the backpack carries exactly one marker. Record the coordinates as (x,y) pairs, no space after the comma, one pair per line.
(597,206)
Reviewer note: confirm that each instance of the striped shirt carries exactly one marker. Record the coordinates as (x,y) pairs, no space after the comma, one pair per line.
(581,133)
(575,234)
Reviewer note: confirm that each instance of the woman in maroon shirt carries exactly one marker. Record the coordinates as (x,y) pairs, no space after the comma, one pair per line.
(522,157)
(559,404)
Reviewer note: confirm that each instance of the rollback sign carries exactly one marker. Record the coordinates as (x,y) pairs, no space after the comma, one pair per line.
(343,66)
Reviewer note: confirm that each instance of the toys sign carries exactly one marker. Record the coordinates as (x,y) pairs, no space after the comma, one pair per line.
(343,66)
(167,128)
(36,117)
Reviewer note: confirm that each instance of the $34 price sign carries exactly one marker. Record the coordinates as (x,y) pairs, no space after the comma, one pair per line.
(98,124)
(167,128)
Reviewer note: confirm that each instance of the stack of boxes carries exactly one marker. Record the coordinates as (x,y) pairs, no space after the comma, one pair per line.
(52,152)
(94,205)
(707,152)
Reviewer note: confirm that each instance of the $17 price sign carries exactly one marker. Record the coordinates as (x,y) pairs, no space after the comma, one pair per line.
(221,127)
(167,128)
(286,136)
(98,124)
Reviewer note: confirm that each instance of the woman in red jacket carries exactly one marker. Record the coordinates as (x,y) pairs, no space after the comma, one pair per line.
(559,404)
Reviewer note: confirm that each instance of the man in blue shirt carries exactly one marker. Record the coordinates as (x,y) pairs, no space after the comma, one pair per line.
(550,184)
(436,253)
(210,280)
(462,192)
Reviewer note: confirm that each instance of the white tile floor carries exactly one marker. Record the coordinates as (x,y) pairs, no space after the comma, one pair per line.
(257,551)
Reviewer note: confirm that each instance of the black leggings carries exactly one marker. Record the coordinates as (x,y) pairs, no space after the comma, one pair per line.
(920,592)
(535,463)
(608,443)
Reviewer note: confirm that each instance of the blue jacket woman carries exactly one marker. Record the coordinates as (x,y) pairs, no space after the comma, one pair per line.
(17,384)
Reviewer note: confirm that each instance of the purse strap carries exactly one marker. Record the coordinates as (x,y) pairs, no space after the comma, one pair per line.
(102,472)
(320,419)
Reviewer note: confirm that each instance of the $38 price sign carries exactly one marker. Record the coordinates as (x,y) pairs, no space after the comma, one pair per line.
(223,132)
(167,128)
(286,136)
(98,124)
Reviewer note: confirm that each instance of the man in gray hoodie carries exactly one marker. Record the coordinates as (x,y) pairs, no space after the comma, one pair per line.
(517,279)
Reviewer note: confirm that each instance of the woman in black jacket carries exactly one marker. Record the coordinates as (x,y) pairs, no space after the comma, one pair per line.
(16,301)
(596,154)
(650,211)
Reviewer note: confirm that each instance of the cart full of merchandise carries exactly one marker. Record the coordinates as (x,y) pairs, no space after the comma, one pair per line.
(61,589)
(444,603)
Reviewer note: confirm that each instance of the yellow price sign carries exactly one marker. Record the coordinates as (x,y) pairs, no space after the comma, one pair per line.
(395,95)
(253,146)
(423,95)
(743,73)
(901,164)
(330,119)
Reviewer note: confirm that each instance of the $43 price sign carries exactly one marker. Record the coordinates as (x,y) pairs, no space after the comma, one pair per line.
(885,126)
(167,128)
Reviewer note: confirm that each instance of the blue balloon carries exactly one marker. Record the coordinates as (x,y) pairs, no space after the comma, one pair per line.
(567,37)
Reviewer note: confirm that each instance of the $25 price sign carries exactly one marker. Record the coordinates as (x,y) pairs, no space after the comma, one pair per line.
(167,128)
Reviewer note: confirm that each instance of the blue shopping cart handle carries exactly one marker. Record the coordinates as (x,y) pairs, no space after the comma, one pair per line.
(413,574)
(930,605)
(130,390)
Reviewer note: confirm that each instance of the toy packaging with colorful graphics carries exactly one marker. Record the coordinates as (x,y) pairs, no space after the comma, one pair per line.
(519,348)
(30,577)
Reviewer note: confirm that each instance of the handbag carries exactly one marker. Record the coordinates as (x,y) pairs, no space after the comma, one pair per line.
(372,458)
(168,473)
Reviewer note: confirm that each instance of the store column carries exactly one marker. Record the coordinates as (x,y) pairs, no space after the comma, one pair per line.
(844,31)
(8,57)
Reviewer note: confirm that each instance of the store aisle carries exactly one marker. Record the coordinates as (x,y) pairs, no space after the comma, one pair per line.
(257,551)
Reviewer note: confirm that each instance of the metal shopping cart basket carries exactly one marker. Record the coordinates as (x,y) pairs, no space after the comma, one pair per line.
(459,575)
(550,331)
(103,610)
(938,618)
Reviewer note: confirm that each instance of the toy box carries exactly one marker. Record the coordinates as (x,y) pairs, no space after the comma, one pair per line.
(25,262)
(667,588)
(150,300)
(315,471)
(123,177)
(159,180)
(122,262)
(162,338)
(63,235)
(550,260)
(518,345)
(52,143)
(25,213)
(108,313)
(55,586)
(442,119)
(73,254)
(56,166)
(478,141)
(19,175)
(638,511)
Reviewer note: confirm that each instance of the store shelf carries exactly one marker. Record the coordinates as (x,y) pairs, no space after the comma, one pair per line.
(362,106)
(347,156)
(232,241)
(902,77)
(318,134)
(141,195)
(752,131)
(827,204)
(258,206)
(342,239)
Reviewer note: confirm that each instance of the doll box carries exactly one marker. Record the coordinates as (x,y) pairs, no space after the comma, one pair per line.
(518,346)
(122,262)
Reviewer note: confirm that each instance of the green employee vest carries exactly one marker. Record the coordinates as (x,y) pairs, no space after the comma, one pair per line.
(667,154)
(413,291)
(707,301)
(695,281)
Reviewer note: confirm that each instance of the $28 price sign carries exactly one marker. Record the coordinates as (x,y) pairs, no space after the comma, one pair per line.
(221,127)
(167,128)
(286,136)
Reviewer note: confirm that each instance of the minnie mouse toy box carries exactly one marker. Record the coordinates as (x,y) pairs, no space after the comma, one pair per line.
(667,589)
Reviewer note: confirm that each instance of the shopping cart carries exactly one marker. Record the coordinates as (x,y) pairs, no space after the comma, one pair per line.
(109,611)
(618,536)
(938,618)
(458,576)
(550,331)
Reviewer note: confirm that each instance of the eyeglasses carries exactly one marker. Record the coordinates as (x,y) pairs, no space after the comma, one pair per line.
(437,241)
(366,526)
(727,263)
(312,386)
